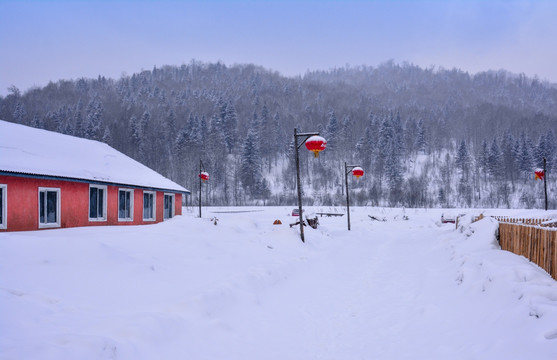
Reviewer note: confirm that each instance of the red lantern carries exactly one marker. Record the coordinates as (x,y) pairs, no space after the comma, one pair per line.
(358,172)
(316,144)
(539,174)
(204,176)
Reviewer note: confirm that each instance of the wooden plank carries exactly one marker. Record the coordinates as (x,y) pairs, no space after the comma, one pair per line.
(554,254)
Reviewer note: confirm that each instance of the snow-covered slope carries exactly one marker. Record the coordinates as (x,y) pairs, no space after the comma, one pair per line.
(248,289)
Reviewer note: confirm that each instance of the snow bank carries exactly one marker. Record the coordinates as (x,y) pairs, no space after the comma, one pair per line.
(506,279)
(248,289)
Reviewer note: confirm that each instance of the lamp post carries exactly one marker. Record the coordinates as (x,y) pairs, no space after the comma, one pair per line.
(542,175)
(203,176)
(317,145)
(545,181)
(357,171)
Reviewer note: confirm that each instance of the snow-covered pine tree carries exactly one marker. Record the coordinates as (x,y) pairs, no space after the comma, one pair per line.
(78,119)
(37,122)
(394,175)
(495,160)
(509,164)
(483,159)
(462,160)
(277,141)
(398,129)
(385,147)
(135,134)
(229,121)
(525,159)
(365,148)
(421,141)
(20,115)
(94,119)
(551,150)
(107,137)
(250,166)
(331,131)
(196,132)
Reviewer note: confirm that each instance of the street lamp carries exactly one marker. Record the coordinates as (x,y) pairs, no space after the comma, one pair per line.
(203,176)
(314,143)
(542,175)
(357,171)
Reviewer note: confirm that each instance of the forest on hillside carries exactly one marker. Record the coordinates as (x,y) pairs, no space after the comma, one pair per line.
(425,137)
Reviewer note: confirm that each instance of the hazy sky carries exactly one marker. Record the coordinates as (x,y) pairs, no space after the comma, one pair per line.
(42,41)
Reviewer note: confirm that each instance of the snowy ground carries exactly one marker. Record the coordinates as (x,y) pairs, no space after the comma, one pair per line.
(247,289)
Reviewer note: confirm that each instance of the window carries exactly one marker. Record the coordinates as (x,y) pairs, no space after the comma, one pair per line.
(97,203)
(168,206)
(3,206)
(49,207)
(125,205)
(149,206)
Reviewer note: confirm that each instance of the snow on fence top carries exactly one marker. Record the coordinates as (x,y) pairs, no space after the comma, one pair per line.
(34,151)
(544,222)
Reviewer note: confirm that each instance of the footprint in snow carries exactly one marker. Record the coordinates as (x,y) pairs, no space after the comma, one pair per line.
(551,335)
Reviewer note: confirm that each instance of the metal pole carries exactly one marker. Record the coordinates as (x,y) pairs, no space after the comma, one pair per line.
(347,196)
(298,182)
(200,166)
(347,169)
(299,186)
(545,181)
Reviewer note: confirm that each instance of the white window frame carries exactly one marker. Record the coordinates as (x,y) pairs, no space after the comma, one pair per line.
(4,206)
(171,208)
(98,218)
(58,201)
(154,194)
(131,204)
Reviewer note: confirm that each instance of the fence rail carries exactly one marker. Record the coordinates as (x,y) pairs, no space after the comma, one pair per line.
(535,239)
(526,221)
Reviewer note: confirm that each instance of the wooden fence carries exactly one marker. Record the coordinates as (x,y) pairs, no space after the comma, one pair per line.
(526,221)
(535,239)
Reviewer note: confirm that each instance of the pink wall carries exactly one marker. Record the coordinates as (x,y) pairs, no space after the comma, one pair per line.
(23,204)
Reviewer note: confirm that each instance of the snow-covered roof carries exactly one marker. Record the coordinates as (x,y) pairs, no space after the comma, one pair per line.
(32,151)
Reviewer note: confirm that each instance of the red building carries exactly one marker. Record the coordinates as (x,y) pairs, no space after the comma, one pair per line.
(51,180)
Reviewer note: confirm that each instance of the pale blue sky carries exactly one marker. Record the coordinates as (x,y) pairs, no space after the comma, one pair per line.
(42,41)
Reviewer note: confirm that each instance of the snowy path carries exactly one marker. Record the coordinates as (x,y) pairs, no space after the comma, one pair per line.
(246,289)
(390,293)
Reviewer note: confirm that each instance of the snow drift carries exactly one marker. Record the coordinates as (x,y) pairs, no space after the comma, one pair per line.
(248,289)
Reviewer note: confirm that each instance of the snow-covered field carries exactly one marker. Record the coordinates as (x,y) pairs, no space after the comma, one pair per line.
(248,289)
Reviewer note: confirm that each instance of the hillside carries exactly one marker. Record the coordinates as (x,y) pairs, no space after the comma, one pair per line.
(477,138)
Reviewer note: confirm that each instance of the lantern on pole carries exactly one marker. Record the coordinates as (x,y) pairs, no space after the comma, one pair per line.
(204,176)
(358,172)
(541,174)
(316,144)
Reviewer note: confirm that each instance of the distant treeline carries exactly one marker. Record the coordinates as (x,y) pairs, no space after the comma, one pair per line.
(425,137)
